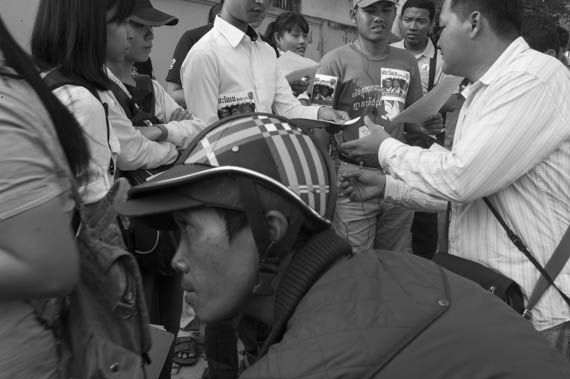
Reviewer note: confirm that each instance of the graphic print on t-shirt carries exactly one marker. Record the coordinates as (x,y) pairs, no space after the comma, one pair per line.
(231,104)
(395,84)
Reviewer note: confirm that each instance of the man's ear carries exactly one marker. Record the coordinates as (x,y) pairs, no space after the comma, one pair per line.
(551,52)
(277,224)
(476,21)
(352,14)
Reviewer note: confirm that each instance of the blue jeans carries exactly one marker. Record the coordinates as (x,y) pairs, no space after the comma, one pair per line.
(373,224)
(559,338)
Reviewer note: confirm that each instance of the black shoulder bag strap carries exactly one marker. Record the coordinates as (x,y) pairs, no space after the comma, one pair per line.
(55,79)
(432,69)
(553,266)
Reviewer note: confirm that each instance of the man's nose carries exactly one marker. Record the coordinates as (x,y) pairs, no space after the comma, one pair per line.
(149,36)
(177,262)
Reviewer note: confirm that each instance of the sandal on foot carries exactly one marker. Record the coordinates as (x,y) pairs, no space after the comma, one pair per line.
(185,353)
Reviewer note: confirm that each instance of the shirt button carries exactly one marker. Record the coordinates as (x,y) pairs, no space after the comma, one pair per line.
(443,302)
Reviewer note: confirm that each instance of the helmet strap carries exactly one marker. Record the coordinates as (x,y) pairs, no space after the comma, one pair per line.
(270,252)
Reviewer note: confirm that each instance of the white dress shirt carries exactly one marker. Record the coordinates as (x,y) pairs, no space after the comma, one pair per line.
(424,59)
(228,64)
(512,144)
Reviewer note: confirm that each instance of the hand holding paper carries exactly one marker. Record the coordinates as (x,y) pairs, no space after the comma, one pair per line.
(361,185)
(368,145)
(431,103)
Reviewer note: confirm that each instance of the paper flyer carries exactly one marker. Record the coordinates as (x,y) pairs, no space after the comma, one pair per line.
(290,63)
(161,341)
(431,103)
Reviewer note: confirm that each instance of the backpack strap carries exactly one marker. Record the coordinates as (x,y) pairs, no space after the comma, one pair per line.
(124,99)
(55,79)
(146,92)
(134,111)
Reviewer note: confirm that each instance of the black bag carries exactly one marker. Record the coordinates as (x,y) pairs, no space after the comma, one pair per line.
(499,285)
(151,247)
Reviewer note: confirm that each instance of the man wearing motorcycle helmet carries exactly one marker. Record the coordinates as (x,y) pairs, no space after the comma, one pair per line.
(253,198)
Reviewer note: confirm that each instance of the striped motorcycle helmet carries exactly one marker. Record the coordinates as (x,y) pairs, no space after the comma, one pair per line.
(262,155)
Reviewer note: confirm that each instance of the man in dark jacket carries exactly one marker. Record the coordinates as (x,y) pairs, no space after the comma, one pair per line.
(253,201)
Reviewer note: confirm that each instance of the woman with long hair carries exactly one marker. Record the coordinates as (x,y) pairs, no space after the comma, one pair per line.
(289,32)
(71,40)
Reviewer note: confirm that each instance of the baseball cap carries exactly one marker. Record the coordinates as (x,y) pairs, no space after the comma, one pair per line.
(148,15)
(365,3)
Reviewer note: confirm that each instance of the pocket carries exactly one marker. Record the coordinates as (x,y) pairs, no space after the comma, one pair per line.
(107,360)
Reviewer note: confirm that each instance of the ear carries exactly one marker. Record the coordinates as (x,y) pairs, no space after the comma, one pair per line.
(551,52)
(476,21)
(277,224)
(276,37)
(352,14)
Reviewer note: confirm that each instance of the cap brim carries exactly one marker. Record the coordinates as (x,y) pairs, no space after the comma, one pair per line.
(162,193)
(153,17)
(365,3)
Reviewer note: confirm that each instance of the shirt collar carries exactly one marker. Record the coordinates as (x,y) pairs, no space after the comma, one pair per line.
(232,34)
(428,52)
(517,47)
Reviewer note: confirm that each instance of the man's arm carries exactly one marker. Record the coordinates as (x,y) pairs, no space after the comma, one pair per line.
(175,90)
(503,144)
(173,82)
(365,185)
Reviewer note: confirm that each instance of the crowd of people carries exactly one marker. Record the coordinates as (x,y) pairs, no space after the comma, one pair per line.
(242,200)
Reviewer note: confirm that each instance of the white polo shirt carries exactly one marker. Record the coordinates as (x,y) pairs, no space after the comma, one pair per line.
(424,62)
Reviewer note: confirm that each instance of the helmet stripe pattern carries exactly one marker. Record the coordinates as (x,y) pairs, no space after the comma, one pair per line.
(282,152)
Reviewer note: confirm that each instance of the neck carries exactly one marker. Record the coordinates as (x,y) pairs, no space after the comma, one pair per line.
(493,49)
(241,25)
(123,71)
(373,49)
(417,49)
